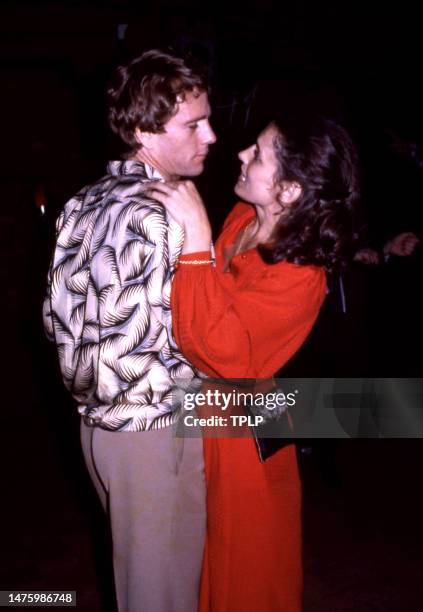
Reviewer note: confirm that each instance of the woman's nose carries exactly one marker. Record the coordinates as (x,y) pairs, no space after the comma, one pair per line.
(243,155)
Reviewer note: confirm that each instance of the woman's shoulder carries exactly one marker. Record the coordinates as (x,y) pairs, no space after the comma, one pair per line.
(241,212)
(305,277)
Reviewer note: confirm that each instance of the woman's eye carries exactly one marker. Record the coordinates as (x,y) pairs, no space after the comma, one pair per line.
(256,154)
(194,126)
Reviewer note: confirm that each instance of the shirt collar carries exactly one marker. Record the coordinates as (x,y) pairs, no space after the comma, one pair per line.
(132,166)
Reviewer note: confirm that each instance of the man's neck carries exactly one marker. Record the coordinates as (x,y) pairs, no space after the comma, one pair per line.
(143,156)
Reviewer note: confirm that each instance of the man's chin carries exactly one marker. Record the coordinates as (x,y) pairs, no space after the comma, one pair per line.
(195,170)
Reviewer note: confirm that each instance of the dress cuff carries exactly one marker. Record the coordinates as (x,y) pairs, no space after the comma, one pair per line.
(189,260)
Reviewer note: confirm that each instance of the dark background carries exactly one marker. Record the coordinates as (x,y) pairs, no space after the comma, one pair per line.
(359,62)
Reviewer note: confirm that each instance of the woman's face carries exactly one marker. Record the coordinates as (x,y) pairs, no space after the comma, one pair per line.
(256,183)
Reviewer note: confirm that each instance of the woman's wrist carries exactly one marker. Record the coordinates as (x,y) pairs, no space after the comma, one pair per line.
(196,244)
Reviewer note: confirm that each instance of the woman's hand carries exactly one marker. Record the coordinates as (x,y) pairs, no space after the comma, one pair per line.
(183,202)
(402,245)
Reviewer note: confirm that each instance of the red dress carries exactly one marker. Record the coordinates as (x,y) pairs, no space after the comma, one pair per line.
(246,323)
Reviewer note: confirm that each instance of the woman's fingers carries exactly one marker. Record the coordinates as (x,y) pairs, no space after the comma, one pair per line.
(182,201)
(160,190)
(178,191)
(182,194)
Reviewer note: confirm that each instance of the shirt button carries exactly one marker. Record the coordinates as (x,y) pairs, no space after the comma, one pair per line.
(243,257)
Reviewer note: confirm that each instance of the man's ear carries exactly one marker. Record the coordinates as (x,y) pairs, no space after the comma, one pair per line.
(143,138)
(290,192)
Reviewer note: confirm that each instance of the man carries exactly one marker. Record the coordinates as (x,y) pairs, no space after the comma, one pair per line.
(107,308)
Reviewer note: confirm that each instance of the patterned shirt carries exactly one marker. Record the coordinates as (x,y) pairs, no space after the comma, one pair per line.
(108,302)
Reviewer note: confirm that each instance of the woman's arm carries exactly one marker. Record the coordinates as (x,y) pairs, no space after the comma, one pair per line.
(244,332)
(228,328)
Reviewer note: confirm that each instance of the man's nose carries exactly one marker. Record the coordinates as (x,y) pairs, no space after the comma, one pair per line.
(210,136)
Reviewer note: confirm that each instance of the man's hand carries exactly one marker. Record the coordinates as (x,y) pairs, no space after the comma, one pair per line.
(367,256)
(184,204)
(402,245)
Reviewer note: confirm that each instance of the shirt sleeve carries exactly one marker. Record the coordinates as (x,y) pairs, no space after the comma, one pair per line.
(252,331)
(47,316)
(47,309)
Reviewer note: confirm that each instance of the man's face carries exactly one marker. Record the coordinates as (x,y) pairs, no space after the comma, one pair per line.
(183,147)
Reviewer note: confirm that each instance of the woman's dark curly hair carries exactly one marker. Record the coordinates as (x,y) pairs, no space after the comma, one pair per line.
(144,93)
(319,228)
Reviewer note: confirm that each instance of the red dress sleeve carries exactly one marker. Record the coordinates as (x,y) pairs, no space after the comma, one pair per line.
(245,323)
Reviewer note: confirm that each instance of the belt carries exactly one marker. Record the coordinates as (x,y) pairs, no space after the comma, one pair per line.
(89,421)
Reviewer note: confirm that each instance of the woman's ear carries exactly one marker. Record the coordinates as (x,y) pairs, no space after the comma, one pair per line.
(290,192)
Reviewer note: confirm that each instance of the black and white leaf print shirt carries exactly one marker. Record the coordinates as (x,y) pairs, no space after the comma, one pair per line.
(108,302)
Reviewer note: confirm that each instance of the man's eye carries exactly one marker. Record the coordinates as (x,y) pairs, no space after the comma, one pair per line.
(256,154)
(194,126)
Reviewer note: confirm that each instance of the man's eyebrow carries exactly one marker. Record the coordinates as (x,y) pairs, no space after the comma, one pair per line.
(195,119)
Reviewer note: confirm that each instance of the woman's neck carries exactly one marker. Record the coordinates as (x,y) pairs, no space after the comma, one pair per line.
(261,230)
(258,231)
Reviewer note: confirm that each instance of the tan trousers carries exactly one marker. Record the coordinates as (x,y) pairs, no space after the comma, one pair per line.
(152,486)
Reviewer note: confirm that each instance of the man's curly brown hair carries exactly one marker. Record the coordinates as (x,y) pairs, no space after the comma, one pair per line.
(144,93)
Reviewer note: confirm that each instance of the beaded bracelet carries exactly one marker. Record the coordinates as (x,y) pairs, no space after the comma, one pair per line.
(195,262)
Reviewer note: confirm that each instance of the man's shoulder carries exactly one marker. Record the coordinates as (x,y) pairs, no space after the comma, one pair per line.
(118,191)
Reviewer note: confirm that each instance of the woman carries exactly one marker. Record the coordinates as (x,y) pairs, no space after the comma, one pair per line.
(245,316)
